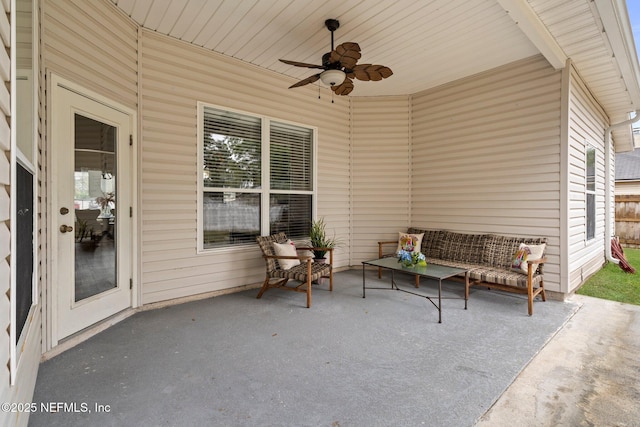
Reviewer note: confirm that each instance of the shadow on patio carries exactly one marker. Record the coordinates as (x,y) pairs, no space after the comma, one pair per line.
(234,360)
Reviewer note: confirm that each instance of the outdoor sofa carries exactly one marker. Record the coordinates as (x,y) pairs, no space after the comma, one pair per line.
(488,257)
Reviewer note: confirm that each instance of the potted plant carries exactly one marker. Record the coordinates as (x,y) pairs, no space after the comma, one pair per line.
(318,239)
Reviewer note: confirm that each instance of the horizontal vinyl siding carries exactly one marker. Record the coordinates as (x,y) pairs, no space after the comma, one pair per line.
(587,123)
(7,393)
(92,44)
(174,77)
(381,174)
(485,156)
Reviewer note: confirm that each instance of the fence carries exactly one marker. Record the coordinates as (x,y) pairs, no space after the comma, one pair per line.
(628,220)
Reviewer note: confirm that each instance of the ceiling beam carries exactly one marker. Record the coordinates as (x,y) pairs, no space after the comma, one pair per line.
(531,25)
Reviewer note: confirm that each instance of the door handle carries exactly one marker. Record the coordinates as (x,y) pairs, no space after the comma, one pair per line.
(65,228)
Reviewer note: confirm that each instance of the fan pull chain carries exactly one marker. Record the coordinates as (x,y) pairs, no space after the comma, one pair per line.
(318,91)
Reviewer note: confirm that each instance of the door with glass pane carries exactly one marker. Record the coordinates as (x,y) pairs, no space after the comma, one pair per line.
(92,199)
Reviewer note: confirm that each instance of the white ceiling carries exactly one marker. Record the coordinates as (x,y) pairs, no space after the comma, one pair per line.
(425,42)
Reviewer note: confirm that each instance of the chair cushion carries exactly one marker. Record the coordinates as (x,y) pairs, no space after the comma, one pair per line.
(286,249)
(299,272)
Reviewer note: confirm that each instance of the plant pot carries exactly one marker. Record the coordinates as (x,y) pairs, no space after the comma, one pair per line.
(320,260)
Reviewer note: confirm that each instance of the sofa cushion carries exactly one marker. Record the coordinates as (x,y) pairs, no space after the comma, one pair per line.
(462,247)
(430,241)
(498,250)
(503,277)
(490,275)
(455,264)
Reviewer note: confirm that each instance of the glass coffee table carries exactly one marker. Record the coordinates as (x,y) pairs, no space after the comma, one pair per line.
(430,271)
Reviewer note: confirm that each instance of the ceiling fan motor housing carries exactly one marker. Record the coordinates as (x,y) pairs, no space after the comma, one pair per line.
(326,62)
(332,24)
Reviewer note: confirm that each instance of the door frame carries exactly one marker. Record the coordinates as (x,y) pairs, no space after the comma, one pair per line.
(51,337)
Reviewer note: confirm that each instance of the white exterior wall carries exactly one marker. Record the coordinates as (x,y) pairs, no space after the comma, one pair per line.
(485,156)
(93,45)
(587,123)
(174,77)
(381,173)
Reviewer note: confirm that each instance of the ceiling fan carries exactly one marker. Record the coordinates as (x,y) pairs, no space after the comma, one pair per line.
(340,66)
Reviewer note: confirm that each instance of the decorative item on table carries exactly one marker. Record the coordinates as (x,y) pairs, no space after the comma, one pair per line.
(407,255)
(107,201)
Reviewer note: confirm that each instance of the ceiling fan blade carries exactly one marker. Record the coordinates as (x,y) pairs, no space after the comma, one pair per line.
(366,72)
(306,81)
(301,64)
(347,54)
(345,88)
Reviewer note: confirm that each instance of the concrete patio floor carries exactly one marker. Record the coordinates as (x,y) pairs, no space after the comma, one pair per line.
(587,375)
(348,361)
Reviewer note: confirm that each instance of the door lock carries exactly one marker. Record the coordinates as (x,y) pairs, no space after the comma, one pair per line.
(65,228)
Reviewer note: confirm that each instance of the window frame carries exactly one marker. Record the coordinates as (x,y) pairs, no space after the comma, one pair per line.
(590,235)
(265,188)
(27,157)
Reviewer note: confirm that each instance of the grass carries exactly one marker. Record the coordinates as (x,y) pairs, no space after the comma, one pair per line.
(612,283)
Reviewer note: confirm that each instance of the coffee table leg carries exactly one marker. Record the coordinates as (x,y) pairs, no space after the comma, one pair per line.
(363,281)
(440,301)
(466,289)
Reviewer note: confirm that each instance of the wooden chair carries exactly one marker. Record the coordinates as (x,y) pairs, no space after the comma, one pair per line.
(306,272)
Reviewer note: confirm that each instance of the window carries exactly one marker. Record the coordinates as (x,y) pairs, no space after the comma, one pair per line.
(24,247)
(257,177)
(590,191)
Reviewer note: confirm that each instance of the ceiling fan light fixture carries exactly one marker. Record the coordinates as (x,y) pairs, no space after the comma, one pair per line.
(332,77)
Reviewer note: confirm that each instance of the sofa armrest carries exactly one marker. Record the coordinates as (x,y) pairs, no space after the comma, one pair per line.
(382,244)
(533,265)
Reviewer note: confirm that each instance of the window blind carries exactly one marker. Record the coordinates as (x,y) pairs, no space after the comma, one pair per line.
(232,150)
(291,157)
